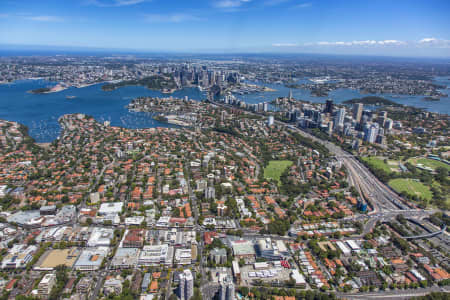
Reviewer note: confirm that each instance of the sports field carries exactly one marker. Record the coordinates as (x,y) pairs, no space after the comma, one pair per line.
(411,187)
(431,163)
(275,168)
(378,163)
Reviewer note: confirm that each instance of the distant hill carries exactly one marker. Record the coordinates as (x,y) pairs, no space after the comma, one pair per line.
(372,100)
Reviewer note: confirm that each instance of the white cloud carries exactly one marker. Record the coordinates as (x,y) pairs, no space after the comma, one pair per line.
(434,42)
(44,18)
(391,42)
(428,40)
(284,45)
(170,18)
(114,3)
(359,43)
(303,5)
(230,4)
(274,2)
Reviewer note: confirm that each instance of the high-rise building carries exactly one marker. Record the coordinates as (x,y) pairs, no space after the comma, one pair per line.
(270,121)
(210,192)
(227,289)
(339,118)
(265,107)
(329,106)
(388,124)
(357,111)
(371,133)
(290,94)
(186,287)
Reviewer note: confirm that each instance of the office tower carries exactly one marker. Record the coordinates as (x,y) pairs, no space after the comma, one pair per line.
(340,117)
(371,133)
(388,124)
(330,127)
(186,287)
(210,192)
(227,289)
(357,111)
(290,94)
(329,106)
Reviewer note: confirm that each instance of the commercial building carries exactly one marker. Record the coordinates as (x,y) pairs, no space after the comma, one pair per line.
(46,284)
(111,208)
(227,289)
(100,237)
(91,259)
(156,255)
(18,256)
(274,250)
(344,249)
(243,249)
(125,258)
(218,255)
(186,287)
(112,286)
(357,111)
(183,256)
(133,238)
(299,278)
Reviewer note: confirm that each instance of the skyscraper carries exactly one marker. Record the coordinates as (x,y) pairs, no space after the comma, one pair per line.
(290,94)
(339,118)
(227,290)
(371,133)
(357,111)
(186,287)
(329,106)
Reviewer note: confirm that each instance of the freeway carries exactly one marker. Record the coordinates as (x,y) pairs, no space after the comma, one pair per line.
(381,197)
(396,294)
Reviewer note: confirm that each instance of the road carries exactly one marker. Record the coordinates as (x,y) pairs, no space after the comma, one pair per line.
(397,294)
(380,196)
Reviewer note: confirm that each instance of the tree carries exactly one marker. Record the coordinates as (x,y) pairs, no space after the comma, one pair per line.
(197,294)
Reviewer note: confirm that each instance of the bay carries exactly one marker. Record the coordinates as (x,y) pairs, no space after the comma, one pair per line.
(40,112)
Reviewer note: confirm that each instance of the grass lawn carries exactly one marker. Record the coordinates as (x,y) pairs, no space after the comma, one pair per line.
(379,163)
(411,187)
(431,163)
(275,168)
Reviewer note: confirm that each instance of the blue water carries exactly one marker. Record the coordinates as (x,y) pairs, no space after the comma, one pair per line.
(40,112)
(340,95)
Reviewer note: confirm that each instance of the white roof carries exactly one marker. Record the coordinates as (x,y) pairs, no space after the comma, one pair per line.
(111,208)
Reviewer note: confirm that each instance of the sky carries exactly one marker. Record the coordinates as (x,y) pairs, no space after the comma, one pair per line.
(377,27)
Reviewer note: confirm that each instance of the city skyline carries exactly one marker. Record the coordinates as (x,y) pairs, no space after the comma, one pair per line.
(403,28)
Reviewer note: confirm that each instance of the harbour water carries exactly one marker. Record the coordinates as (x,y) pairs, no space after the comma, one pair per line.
(40,112)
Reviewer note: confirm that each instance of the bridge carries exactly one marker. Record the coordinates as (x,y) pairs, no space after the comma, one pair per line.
(426,235)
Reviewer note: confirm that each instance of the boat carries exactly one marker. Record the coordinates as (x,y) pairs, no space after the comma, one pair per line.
(71,97)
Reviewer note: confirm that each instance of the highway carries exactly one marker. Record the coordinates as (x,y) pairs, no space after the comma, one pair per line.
(397,294)
(380,196)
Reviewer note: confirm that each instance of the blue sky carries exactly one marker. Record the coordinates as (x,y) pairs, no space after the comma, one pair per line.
(377,27)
